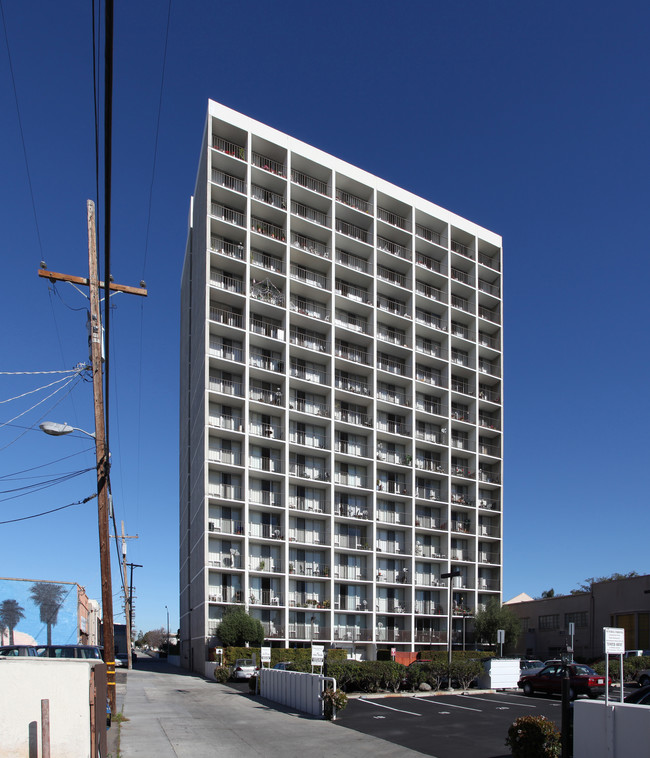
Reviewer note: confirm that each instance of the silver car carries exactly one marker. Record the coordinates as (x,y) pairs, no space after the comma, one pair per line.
(244,668)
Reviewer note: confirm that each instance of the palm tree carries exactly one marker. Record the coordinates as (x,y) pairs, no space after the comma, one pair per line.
(49,598)
(10,614)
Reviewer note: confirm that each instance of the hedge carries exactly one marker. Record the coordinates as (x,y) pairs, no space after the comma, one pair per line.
(631,667)
(300,656)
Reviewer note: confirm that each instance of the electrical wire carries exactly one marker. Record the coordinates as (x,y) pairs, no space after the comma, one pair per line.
(69,380)
(108,156)
(15,474)
(20,126)
(38,389)
(50,482)
(44,485)
(52,510)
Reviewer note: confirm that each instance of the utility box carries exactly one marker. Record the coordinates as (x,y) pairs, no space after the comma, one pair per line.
(500,674)
(75,690)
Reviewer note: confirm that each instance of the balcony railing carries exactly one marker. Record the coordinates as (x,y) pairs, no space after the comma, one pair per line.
(429,580)
(265,531)
(390,634)
(487,557)
(352,322)
(226,526)
(353,542)
(309,568)
(430,433)
(391,517)
(431,636)
(488,448)
(269,262)
(230,148)
(491,477)
(428,262)
(461,276)
(428,608)
(391,218)
(351,511)
(225,282)
(458,247)
(350,480)
(488,340)
(462,303)
(267,229)
(347,603)
(488,421)
(265,597)
(227,247)
(462,386)
(309,440)
(488,530)
(308,536)
(461,414)
(430,319)
(308,276)
(429,522)
(429,375)
(351,261)
(226,352)
(310,245)
(309,308)
(427,493)
(266,328)
(264,463)
(308,632)
(490,503)
(460,330)
(269,363)
(428,405)
(355,354)
(223,316)
(309,504)
(266,196)
(352,384)
(388,275)
(393,306)
(391,365)
(430,235)
(488,260)
(491,314)
(310,372)
(461,498)
(309,472)
(268,164)
(304,338)
(309,406)
(390,456)
(390,395)
(271,631)
(226,386)
(356,232)
(359,294)
(489,393)
(353,417)
(272,431)
(229,181)
(225,595)
(490,289)
(225,491)
(230,457)
(488,367)
(352,634)
(433,293)
(429,464)
(393,427)
(353,201)
(309,214)
(461,469)
(387,246)
(394,336)
(265,497)
(232,423)
(430,347)
(310,182)
(231,215)
(355,573)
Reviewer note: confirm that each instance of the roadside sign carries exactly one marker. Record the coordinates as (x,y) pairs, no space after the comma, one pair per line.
(614,640)
(393,650)
(317,655)
(265,654)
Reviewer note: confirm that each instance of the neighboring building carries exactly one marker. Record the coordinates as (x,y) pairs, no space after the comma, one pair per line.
(623,603)
(40,612)
(340,401)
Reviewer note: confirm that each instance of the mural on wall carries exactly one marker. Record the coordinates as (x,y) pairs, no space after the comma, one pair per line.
(38,613)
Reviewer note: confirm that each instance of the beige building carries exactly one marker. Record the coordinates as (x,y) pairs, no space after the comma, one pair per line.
(623,603)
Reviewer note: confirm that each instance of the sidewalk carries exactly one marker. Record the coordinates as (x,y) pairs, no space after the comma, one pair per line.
(174,714)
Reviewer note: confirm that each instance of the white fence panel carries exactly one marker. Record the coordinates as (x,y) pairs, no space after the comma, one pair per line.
(616,730)
(294,689)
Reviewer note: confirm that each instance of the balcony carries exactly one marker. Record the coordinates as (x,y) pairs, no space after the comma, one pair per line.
(271,631)
(388,275)
(462,526)
(485,556)
(428,550)
(268,164)
(310,308)
(225,491)
(387,246)
(309,214)
(352,634)
(310,372)
(488,421)
(309,504)
(310,182)
(355,573)
(267,292)
(226,317)
(228,180)
(308,472)
(226,526)
(429,522)
(430,636)
(351,541)
(491,477)
(489,503)
(427,493)
(352,261)
(490,289)
(461,498)
(310,245)
(488,260)
(265,531)
(430,235)
(266,327)
(490,314)
(308,632)
(430,433)
(458,247)
(353,323)
(428,608)
(430,319)
(353,417)
(225,595)
(390,394)
(431,376)
(462,303)
(394,336)
(489,340)
(225,213)
(391,305)
(351,511)
(309,568)
(359,294)
(270,198)
(223,421)
(489,447)
(230,148)
(269,262)
(432,293)
(264,463)
(350,480)
(392,634)
(391,365)
(429,464)
(265,597)
(227,457)
(461,276)
(229,283)
(393,219)
(226,386)
(313,407)
(308,276)
(488,367)
(353,383)
(393,427)
(353,201)
(267,362)
(272,431)
(394,456)
(356,232)
(428,404)
(308,339)
(308,440)
(268,229)
(349,447)
(461,385)
(227,247)
(461,330)
(429,580)
(428,262)
(355,354)
(308,536)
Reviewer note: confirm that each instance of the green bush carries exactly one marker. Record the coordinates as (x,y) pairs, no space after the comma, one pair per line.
(300,656)
(534,737)
(433,673)
(464,671)
(222,674)
(631,668)
(367,676)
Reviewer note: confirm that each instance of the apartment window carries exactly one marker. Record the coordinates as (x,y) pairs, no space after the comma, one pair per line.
(579,619)
(525,624)
(551,621)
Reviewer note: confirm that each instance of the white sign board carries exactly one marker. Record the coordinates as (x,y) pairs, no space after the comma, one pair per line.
(265,654)
(614,640)
(317,655)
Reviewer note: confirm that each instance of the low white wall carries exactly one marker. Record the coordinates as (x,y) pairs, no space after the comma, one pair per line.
(615,730)
(210,666)
(24,682)
(293,689)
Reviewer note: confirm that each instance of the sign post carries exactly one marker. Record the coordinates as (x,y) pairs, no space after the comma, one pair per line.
(501,638)
(265,656)
(317,656)
(614,644)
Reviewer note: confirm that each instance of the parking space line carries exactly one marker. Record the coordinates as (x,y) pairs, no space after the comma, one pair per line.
(502,702)
(380,705)
(447,705)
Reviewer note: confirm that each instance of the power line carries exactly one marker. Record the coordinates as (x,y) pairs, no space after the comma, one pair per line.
(8,477)
(44,485)
(53,510)
(38,389)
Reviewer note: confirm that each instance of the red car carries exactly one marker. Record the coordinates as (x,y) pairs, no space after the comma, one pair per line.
(583,681)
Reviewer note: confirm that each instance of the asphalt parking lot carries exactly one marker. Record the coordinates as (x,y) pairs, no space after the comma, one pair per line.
(447,726)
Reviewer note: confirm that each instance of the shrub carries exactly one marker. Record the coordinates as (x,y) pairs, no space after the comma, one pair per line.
(433,673)
(333,699)
(464,671)
(222,674)
(534,737)
(631,668)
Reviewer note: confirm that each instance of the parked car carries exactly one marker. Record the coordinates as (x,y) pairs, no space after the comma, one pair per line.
(244,668)
(583,681)
(283,665)
(640,696)
(17,650)
(87,652)
(530,667)
(643,677)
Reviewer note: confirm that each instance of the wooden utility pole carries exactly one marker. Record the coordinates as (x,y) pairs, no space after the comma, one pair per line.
(95,339)
(127,601)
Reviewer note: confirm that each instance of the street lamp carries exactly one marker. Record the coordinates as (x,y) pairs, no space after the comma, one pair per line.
(58,430)
(450,575)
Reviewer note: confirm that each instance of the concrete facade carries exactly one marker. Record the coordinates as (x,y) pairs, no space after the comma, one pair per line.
(341,402)
(623,603)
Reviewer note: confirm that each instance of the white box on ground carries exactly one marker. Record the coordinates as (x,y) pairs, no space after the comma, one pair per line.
(500,674)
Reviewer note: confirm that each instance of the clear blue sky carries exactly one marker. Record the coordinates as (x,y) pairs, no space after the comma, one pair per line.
(528,118)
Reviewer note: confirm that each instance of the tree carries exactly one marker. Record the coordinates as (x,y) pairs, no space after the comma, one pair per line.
(587,584)
(49,598)
(154,638)
(10,614)
(238,629)
(548,593)
(495,617)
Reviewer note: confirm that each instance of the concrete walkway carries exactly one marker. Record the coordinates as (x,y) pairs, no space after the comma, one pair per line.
(174,714)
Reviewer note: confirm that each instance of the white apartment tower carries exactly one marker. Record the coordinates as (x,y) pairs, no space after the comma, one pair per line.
(341,402)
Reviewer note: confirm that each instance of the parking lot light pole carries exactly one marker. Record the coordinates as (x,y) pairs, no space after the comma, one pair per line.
(449,576)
